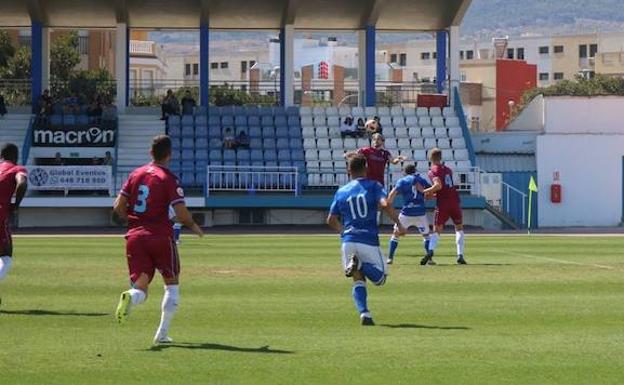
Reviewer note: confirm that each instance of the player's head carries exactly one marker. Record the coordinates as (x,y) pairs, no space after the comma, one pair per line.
(377,140)
(435,155)
(356,166)
(161,149)
(9,152)
(410,169)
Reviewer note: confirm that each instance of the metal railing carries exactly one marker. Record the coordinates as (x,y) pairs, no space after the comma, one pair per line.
(252,178)
(508,192)
(504,197)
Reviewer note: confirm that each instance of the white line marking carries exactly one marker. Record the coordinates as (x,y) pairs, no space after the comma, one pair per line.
(556,260)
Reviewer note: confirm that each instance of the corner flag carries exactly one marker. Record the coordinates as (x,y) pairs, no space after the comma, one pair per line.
(532,188)
(532,185)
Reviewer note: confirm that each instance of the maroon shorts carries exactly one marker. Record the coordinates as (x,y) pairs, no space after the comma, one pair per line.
(148,253)
(444,212)
(6,243)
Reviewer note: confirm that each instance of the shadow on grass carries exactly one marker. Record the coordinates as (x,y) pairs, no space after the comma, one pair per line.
(210,346)
(39,312)
(416,326)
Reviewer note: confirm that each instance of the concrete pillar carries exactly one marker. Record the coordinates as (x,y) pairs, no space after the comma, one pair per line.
(307,73)
(454,62)
(362,68)
(204,64)
(441,60)
(36,86)
(122,64)
(370,66)
(339,86)
(287,63)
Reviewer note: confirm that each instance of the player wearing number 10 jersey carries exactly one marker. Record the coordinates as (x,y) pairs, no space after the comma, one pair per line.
(144,202)
(353,214)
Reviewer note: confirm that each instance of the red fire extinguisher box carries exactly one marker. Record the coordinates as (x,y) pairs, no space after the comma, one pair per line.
(555,193)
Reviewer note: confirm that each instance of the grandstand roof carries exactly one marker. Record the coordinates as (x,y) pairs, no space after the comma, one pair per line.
(237,14)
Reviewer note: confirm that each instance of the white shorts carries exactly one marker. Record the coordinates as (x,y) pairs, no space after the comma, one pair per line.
(421,223)
(365,253)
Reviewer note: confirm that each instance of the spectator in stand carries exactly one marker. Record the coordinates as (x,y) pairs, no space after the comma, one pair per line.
(188,103)
(72,104)
(58,160)
(229,140)
(3,109)
(380,127)
(170,105)
(348,128)
(95,108)
(108,159)
(361,126)
(44,107)
(242,141)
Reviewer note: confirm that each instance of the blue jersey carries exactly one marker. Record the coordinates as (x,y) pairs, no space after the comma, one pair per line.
(413,200)
(356,203)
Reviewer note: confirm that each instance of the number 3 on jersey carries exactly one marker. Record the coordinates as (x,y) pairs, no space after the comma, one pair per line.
(360,205)
(141,205)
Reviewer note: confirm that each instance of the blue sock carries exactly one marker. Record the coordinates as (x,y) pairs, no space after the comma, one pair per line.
(372,273)
(176,232)
(394,243)
(426,242)
(359,296)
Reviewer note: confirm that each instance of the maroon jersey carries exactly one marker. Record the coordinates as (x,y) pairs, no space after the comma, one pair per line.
(8,172)
(151,189)
(376,161)
(448,194)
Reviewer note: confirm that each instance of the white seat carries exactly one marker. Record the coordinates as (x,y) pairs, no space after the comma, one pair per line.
(357,112)
(417,143)
(311,155)
(444,143)
(308,132)
(459,143)
(336,144)
(386,121)
(423,167)
(401,132)
(452,121)
(430,143)
(446,154)
(309,144)
(427,132)
(398,121)
(388,132)
(342,178)
(455,132)
(448,112)
(370,112)
(305,111)
(391,144)
(327,165)
(424,121)
(408,153)
(435,111)
(320,120)
(414,132)
(463,165)
(325,155)
(338,155)
(461,155)
(318,111)
(437,121)
(362,142)
(307,121)
(396,111)
(409,111)
(314,179)
(404,145)
(334,132)
(313,166)
(340,166)
(344,111)
(440,132)
(331,111)
(419,155)
(322,132)
(333,121)
(328,179)
(411,121)
(322,144)
(383,111)
(422,111)
(349,144)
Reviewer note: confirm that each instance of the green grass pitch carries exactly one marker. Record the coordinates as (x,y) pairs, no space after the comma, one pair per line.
(277,310)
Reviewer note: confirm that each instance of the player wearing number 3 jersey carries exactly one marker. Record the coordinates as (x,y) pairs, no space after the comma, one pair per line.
(353,214)
(144,202)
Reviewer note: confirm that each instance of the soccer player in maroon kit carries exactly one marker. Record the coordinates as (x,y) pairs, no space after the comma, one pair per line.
(447,206)
(377,158)
(144,202)
(12,182)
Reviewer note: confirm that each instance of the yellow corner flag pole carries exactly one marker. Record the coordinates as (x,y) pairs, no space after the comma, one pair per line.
(532,189)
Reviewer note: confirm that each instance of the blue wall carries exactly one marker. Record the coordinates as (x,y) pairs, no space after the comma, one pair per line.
(520,180)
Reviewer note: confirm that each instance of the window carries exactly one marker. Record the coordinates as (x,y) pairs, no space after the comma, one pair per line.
(403,59)
(243,66)
(520,53)
(510,53)
(195,68)
(544,50)
(593,49)
(214,66)
(469,55)
(224,65)
(252,63)
(187,70)
(582,51)
(558,76)
(558,49)
(543,76)
(393,58)
(461,55)
(435,55)
(425,56)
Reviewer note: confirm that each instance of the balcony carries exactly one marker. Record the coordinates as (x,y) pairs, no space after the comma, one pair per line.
(143,48)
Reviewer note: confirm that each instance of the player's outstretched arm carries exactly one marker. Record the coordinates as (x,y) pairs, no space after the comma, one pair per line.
(20,189)
(184,217)
(437,186)
(120,208)
(349,154)
(393,194)
(392,214)
(333,221)
(398,159)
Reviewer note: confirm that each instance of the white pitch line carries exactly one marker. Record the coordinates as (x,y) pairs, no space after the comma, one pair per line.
(556,260)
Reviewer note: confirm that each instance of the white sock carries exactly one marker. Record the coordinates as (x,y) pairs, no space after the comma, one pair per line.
(433,241)
(459,240)
(5,266)
(169,306)
(137,296)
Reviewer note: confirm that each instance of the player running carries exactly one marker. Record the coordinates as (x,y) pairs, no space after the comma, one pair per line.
(377,158)
(447,206)
(413,213)
(144,202)
(353,214)
(13,181)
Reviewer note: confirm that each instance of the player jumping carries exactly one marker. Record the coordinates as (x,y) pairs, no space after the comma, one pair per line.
(447,205)
(13,181)
(413,212)
(353,214)
(377,158)
(144,202)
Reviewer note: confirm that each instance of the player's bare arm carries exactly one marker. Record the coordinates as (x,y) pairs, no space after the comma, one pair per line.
(398,159)
(419,188)
(120,207)
(333,221)
(437,186)
(20,189)
(349,154)
(184,216)
(392,214)
(392,196)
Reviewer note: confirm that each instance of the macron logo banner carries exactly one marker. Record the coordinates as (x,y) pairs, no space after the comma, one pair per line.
(91,136)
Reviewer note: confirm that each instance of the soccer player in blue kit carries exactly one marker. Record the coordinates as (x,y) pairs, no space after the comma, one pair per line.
(353,214)
(413,213)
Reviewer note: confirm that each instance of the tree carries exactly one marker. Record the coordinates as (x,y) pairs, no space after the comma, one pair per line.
(6,48)
(64,56)
(18,66)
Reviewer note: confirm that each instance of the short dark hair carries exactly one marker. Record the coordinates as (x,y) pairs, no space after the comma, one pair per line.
(410,169)
(357,164)
(161,147)
(9,152)
(435,154)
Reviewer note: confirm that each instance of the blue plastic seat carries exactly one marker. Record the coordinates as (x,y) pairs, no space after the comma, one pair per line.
(267,121)
(174,166)
(254,121)
(281,132)
(175,144)
(226,110)
(295,132)
(188,178)
(82,120)
(175,132)
(270,155)
(268,132)
(295,144)
(69,120)
(293,121)
(187,120)
(201,155)
(254,132)
(214,132)
(201,144)
(201,131)
(215,180)
(227,121)
(57,109)
(268,143)
(283,155)
(253,111)
(256,155)
(239,110)
(188,143)
(292,111)
(297,155)
(201,120)
(187,155)
(257,163)
(214,120)
(215,156)
(255,143)
(240,121)
(188,165)
(214,111)
(281,121)
(187,132)
(266,111)
(242,155)
(282,143)
(229,155)
(279,111)
(56,120)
